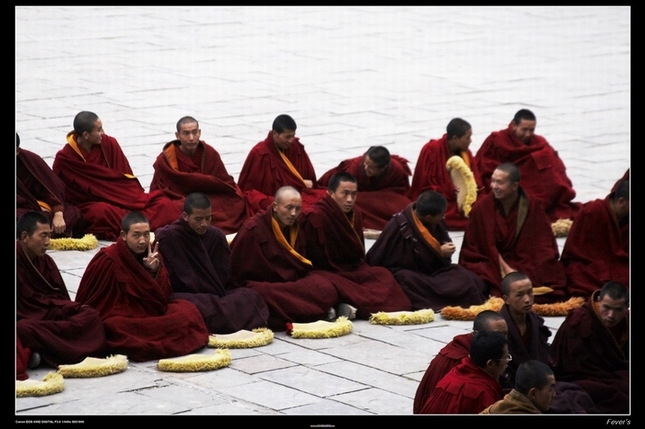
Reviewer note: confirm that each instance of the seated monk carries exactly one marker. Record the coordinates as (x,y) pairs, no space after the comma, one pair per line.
(279,160)
(597,248)
(189,164)
(100,182)
(38,188)
(383,184)
(430,172)
(545,176)
(509,231)
(416,247)
(333,230)
(130,287)
(268,256)
(48,322)
(198,260)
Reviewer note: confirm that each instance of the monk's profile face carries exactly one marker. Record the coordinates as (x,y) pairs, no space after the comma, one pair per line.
(137,238)
(520,296)
(283,140)
(461,143)
(94,137)
(287,208)
(524,130)
(501,185)
(345,196)
(199,220)
(188,136)
(371,169)
(611,311)
(543,397)
(36,244)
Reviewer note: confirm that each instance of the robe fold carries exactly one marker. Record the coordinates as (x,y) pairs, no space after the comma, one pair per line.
(292,289)
(544,174)
(199,267)
(428,278)
(378,198)
(140,319)
(102,185)
(177,175)
(512,403)
(533,250)
(334,243)
(430,173)
(47,320)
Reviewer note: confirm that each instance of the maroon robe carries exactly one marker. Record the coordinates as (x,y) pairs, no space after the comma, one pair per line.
(544,175)
(177,175)
(35,181)
(292,289)
(465,389)
(448,357)
(334,244)
(378,198)
(199,268)
(533,251)
(430,173)
(264,172)
(596,250)
(427,278)
(140,319)
(48,321)
(23,354)
(101,184)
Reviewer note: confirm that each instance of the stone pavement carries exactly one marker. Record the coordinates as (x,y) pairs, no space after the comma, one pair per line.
(351,77)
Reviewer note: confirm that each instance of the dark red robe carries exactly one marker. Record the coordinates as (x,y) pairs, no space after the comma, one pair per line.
(430,173)
(378,198)
(448,357)
(594,357)
(334,244)
(533,251)
(292,289)
(48,321)
(200,268)
(177,175)
(35,181)
(465,389)
(544,175)
(102,185)
(428,279)
(596,250)
(264,172)
(140,319)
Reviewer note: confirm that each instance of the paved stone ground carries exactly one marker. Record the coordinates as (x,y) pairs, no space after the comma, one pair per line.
(351,77)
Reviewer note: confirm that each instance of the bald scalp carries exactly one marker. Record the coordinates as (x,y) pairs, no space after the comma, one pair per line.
(286,192)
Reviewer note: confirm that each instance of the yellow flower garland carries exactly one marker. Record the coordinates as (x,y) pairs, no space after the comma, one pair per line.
(464,180)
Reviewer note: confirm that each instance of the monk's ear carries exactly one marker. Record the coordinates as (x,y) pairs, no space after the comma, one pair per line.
(24,235)
(184,216)
(122,235)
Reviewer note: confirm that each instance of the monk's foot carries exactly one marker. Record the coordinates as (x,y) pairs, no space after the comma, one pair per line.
(34,360)
(331,315)
(346,310)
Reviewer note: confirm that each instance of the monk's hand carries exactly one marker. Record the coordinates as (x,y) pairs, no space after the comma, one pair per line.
(151,262)
(447,249)
(308,183)
(58,223)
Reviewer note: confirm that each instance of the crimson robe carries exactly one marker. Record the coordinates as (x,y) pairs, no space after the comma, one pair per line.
(544,175)
(101,184)
(140,319)
(596,250)
(35,181)
(533,251)
(378,198)
(264,172)
(448,357)
(594,357)
(430,173)
(335,244)
(47,320)
(292,289)
(177,175)
(200,267)
(465,389)
(23,354)
(428,278)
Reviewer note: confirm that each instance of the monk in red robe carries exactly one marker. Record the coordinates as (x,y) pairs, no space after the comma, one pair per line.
(130,287)
(197,257)
(597,248)
(509,231)
(383,184)
(100,182)
(39,189)
(268,256)
(544,173)
(188,165)
(430,172)
(48,322)
(416,247)
(591,348)
(279,160)
(333,231)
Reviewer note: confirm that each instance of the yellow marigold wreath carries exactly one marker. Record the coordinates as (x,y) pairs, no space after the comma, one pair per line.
(464,180)
(196,362)
(495,304)
(51,383)
(402,317)
(241,339)
(321,328)
(95,367)
(88,242)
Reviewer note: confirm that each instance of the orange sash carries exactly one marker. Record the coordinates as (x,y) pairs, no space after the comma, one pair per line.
(282,240)
(465,157)
(171,157)
(71,140)
(290,166)
(426,234)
